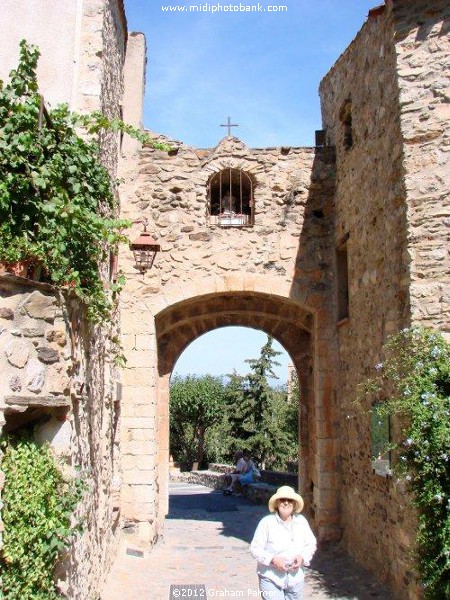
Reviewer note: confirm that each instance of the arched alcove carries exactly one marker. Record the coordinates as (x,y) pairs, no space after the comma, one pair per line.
(231,198)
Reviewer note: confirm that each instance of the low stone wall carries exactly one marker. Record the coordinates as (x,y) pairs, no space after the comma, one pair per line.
(211,479)
(219,467)
(275,478)
(278,478)
(258,492)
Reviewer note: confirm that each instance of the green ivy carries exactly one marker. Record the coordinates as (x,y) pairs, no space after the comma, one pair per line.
(56,198)
(37,512)
(415,375)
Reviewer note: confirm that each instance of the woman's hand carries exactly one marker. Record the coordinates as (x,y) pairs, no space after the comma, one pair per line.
(297,563)
(279,562)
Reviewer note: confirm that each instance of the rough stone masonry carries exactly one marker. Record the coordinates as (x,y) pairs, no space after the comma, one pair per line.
(337,247)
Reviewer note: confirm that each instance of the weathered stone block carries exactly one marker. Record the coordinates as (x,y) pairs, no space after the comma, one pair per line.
(58,381)
(35,376)
(31,332)
(57,335)
(17,353)
(15,383)
(6,313)
(201,236)
(39,306)
(48,355)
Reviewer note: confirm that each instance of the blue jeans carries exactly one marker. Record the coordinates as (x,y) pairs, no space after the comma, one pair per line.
(270,591)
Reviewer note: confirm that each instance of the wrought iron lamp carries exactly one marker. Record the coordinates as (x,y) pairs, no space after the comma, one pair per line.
(144,249)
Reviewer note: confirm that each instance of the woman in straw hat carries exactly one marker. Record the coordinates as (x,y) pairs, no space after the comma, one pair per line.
(282,544)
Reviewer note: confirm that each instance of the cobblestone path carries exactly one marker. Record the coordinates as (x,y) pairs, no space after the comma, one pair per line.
(205,545)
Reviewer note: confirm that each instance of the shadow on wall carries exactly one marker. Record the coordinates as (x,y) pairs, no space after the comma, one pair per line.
(312,286)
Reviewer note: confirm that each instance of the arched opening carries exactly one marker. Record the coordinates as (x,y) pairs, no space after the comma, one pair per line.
(227,387)
(175,321)
(290,324)
(231,198)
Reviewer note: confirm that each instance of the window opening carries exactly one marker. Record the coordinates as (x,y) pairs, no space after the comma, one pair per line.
(345,116)
(230,199)
(381,438)
(342,281)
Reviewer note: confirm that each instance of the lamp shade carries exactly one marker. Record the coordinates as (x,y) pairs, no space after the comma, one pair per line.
(144,249)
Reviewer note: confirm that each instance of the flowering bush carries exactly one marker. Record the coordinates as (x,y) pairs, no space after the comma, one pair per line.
(416,376)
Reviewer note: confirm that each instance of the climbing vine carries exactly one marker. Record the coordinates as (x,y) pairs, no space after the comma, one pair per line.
(38,508)
(57,201)
(415,376)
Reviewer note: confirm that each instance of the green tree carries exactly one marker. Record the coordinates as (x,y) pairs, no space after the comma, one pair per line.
(283,430)
(196,404)
(260,419)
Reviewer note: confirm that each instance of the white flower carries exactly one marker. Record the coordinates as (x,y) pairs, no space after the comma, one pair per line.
(435,352)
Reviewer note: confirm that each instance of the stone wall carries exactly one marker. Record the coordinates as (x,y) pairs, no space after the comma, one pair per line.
(274,275)
(54,384)
(79,374)
(34,346)
(103,37)
(35,356)
(392,211)
(422,46)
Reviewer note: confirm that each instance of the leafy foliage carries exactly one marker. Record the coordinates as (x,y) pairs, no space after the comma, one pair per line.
(38,506)
(245,414)
(196,403)
(415,376)
(56,199)
(259,419)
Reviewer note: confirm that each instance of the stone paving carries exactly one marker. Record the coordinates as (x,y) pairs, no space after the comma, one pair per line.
(205,544)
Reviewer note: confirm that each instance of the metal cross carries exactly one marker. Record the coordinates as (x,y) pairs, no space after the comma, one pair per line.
(229,125)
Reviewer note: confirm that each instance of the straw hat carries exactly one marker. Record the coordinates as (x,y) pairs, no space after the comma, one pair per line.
(286,492)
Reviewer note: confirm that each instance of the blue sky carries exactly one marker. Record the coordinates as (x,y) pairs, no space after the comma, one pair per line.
(262,69)
(223,350)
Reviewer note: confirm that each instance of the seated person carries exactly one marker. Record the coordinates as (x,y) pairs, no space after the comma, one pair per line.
(244,478)
(239,467)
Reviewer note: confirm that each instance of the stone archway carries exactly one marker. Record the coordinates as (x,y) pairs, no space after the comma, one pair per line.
(293,326)
(156,331)
(276,276)
(182,323)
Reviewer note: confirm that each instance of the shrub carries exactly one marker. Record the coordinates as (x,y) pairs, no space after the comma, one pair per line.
(37,513)
(415,375)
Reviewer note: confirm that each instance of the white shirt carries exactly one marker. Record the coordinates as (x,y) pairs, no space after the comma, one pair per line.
(240,465)
(275,537)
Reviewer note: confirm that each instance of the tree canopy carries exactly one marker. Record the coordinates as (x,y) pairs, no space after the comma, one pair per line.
(212,417)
